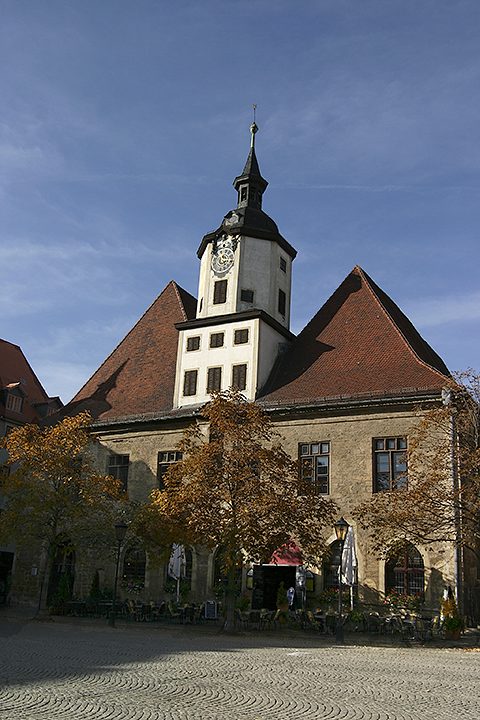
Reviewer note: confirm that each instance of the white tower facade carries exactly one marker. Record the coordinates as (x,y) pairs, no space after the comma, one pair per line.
(243,311)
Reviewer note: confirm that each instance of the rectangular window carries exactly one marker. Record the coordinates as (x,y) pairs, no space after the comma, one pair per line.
(283,265)
(14,403)
(117,467)
(193,343)
(239,377)
(240,337)
(389,463)
(220,292)
(216,340)
(165,460)
(282,302)
(246,296)
(315,465)
(190,382)
(214,379)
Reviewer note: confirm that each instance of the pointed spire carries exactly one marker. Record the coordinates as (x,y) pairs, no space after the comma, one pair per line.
(250,185)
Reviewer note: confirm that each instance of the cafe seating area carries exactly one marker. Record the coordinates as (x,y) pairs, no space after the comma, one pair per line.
(145,612)
(405,626)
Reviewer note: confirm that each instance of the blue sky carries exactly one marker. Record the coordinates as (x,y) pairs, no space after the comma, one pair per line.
(123,124)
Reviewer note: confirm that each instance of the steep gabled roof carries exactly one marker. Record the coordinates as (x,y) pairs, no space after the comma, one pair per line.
(16,373)
(358,343)
(139,375)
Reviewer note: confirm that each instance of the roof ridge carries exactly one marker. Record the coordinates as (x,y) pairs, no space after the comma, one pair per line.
(368,283)
(10,343)
(35,377)
(177,289)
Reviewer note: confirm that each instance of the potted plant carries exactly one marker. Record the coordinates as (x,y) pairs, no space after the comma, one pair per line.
(282,600)
(397,601)
(452,620)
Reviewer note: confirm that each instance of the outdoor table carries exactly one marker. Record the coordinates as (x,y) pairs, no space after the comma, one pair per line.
(77,607)
(104,608)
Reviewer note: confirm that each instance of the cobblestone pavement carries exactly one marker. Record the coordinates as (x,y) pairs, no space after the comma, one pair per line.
(50,671)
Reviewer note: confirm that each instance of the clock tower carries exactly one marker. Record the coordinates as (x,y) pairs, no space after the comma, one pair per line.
(243,311)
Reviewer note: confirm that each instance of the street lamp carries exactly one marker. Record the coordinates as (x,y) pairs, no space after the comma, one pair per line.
(120,532)
(341,529)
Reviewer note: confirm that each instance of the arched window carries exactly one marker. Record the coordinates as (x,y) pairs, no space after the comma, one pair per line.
(63,572)
(134,564)
(404,572)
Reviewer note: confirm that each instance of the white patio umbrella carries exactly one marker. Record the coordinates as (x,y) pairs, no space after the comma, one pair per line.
(176,565)
(349,562)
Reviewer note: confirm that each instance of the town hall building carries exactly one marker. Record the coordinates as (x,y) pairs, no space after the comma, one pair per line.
(344,394)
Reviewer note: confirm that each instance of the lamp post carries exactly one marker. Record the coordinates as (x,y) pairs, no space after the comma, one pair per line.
(341,529)
(120,532)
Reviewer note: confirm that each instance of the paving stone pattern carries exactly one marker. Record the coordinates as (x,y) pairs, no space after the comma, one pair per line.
(50,671)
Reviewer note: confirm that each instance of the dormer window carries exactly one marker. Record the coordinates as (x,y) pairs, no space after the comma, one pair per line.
(14,403)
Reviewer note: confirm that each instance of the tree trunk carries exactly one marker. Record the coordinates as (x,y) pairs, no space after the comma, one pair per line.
(42,609)
(230,593)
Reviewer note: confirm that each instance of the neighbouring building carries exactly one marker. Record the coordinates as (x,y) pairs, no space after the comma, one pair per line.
(344,395)
(22,400)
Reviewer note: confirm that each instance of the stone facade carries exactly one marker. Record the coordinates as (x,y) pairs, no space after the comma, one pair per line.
(349,434)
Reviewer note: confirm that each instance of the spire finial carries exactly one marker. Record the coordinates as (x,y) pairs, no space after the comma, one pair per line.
(253,126)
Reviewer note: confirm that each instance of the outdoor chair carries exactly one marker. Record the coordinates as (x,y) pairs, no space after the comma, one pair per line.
(129,609)
(310,622)
(173,614)
(374,623)
(241,619)
(266,619)
(254,619)
(330,624)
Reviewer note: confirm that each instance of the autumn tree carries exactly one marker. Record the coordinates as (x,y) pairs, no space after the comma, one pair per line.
(53,491)
(440,502)
(236,488)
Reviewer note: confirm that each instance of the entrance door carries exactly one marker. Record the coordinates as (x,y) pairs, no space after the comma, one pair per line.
(266,580)
(6,563)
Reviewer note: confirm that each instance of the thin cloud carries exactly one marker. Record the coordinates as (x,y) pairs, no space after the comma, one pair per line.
(442,311)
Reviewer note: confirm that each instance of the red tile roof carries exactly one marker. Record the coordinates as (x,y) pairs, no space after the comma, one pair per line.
(15,372)
(139,375)
(358,343)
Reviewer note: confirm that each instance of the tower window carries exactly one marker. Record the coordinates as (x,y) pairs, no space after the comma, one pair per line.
(190,382)
(216,340)
(283,265)
(220,292)
(243,193)
(214,379)
(282,302)
(246,296)
(193,343)
(240,337)
(239,377)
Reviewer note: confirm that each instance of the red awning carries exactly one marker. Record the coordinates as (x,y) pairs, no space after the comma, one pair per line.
(288,554)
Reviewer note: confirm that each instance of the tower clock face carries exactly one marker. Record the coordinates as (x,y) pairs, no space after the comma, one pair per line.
(223,255)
